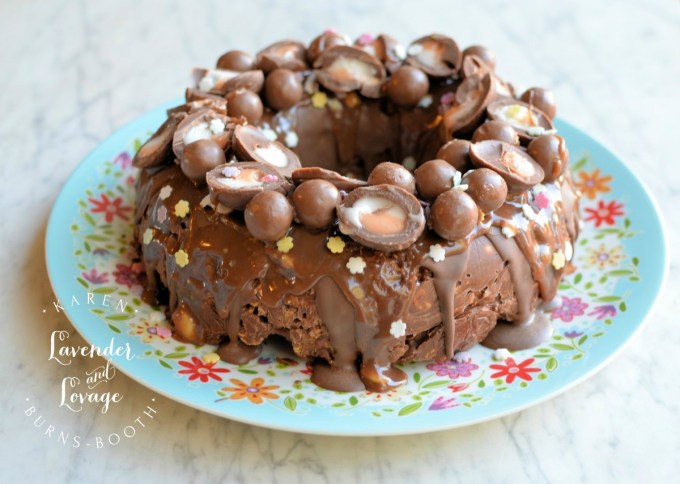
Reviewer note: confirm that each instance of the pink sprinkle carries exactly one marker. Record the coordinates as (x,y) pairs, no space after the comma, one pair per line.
(542,200)
(162,214)
(365,39)
(330,30)
(447,98)
(231,172)
(163,332)
(269,178)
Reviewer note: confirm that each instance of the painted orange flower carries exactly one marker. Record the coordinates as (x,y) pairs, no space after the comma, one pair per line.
(255,391)
(593,183)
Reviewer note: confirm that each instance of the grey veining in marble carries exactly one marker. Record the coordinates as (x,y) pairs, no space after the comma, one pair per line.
(74,71)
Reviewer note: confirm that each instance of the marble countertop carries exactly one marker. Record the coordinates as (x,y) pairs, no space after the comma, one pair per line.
(74,71)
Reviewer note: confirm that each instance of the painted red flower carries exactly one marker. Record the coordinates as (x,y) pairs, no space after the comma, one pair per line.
(458,387)
(111,208)
(511,370)
(126,275)
(197,369)
(605,213)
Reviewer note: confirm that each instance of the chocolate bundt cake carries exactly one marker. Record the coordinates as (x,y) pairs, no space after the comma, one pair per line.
(370,204)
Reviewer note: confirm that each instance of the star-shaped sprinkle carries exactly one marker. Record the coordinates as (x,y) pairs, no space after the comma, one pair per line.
(365,39)
(181,258)
(162,214)
(211,358)
(501,354)
(356,265)
(285,244)
(508,231)
(558,260)
(437,253)
(231,171)
(542,200)
(165,192)
(147,237)
(319,100)
(398,328)
(182,208)
(336,245)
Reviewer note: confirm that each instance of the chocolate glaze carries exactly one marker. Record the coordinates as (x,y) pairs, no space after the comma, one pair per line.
(236,291)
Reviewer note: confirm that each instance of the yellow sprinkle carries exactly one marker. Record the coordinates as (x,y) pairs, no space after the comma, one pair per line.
(285,244)
(336,245)
(352,100)
(558,260)
(211,358)
(148,236)
(181,257)
(319,100)
(181,208)
(358,292)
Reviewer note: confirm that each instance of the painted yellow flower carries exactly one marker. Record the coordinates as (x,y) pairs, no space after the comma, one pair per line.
(255,391)
(593,183)
(603,257)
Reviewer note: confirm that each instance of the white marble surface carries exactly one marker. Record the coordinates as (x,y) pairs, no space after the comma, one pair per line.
(74,71)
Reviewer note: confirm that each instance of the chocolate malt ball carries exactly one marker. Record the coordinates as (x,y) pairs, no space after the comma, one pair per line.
(236,60)
(453,215)
(434,177)
(541,98)
(456,153)
(268,216)
(487,188)
(314,202)
(496,130)
(199,158)
(388,173)
(550,151)
(283,89)
(243,102)
(407,86)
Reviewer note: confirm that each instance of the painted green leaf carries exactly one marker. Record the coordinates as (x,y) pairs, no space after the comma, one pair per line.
(468,404)
(588,285)
(542,376)
(620,272)
(608,299)
(577,356)
(88,218)
(311,401)
(376,414)
(339,404)
(96,238)
(582,339)
(416,377)
(137,144)
(580,164)
(176,355)
(270,373)
(165,364)
(408,409)
(635,261)
(97,311)
(501,389)
(577,278)
(353,401)
(104,290)
(290,403)
(623,306)
(221,394)
(543,350)
(299,396)
(83,283)
(118,317)
(561,347)
(551,364)
(481,384)
(247,372)
(113,328)
(437,384)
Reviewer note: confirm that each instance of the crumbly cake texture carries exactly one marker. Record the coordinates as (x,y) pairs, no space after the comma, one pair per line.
(370,203)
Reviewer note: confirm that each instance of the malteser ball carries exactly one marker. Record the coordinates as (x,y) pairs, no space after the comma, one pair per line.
(243,102)
(549,151)
(483,53)
(407,86)
(268,216)
(283,89)
(434,177)
(541,98)
(456,153)
(314,202)
(487,188)
(236,60)
(200,157)
(453,215)
(388,173)
(496,130)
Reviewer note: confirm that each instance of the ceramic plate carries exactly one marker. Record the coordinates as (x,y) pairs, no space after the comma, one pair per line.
(618,269)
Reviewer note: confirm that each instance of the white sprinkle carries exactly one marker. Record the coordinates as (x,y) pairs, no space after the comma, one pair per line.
(437,253)
(148,236)
(462,357)
(165,192)
(520,222)
(409,163)
(269,134)
(508,231)
(458,182)
(501,354)
(425,101)
(356,265)
(398,328)
(528,212)
(558,260)
(542,218)
(162,214)
(206,202)
(568,250)
(291,139)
